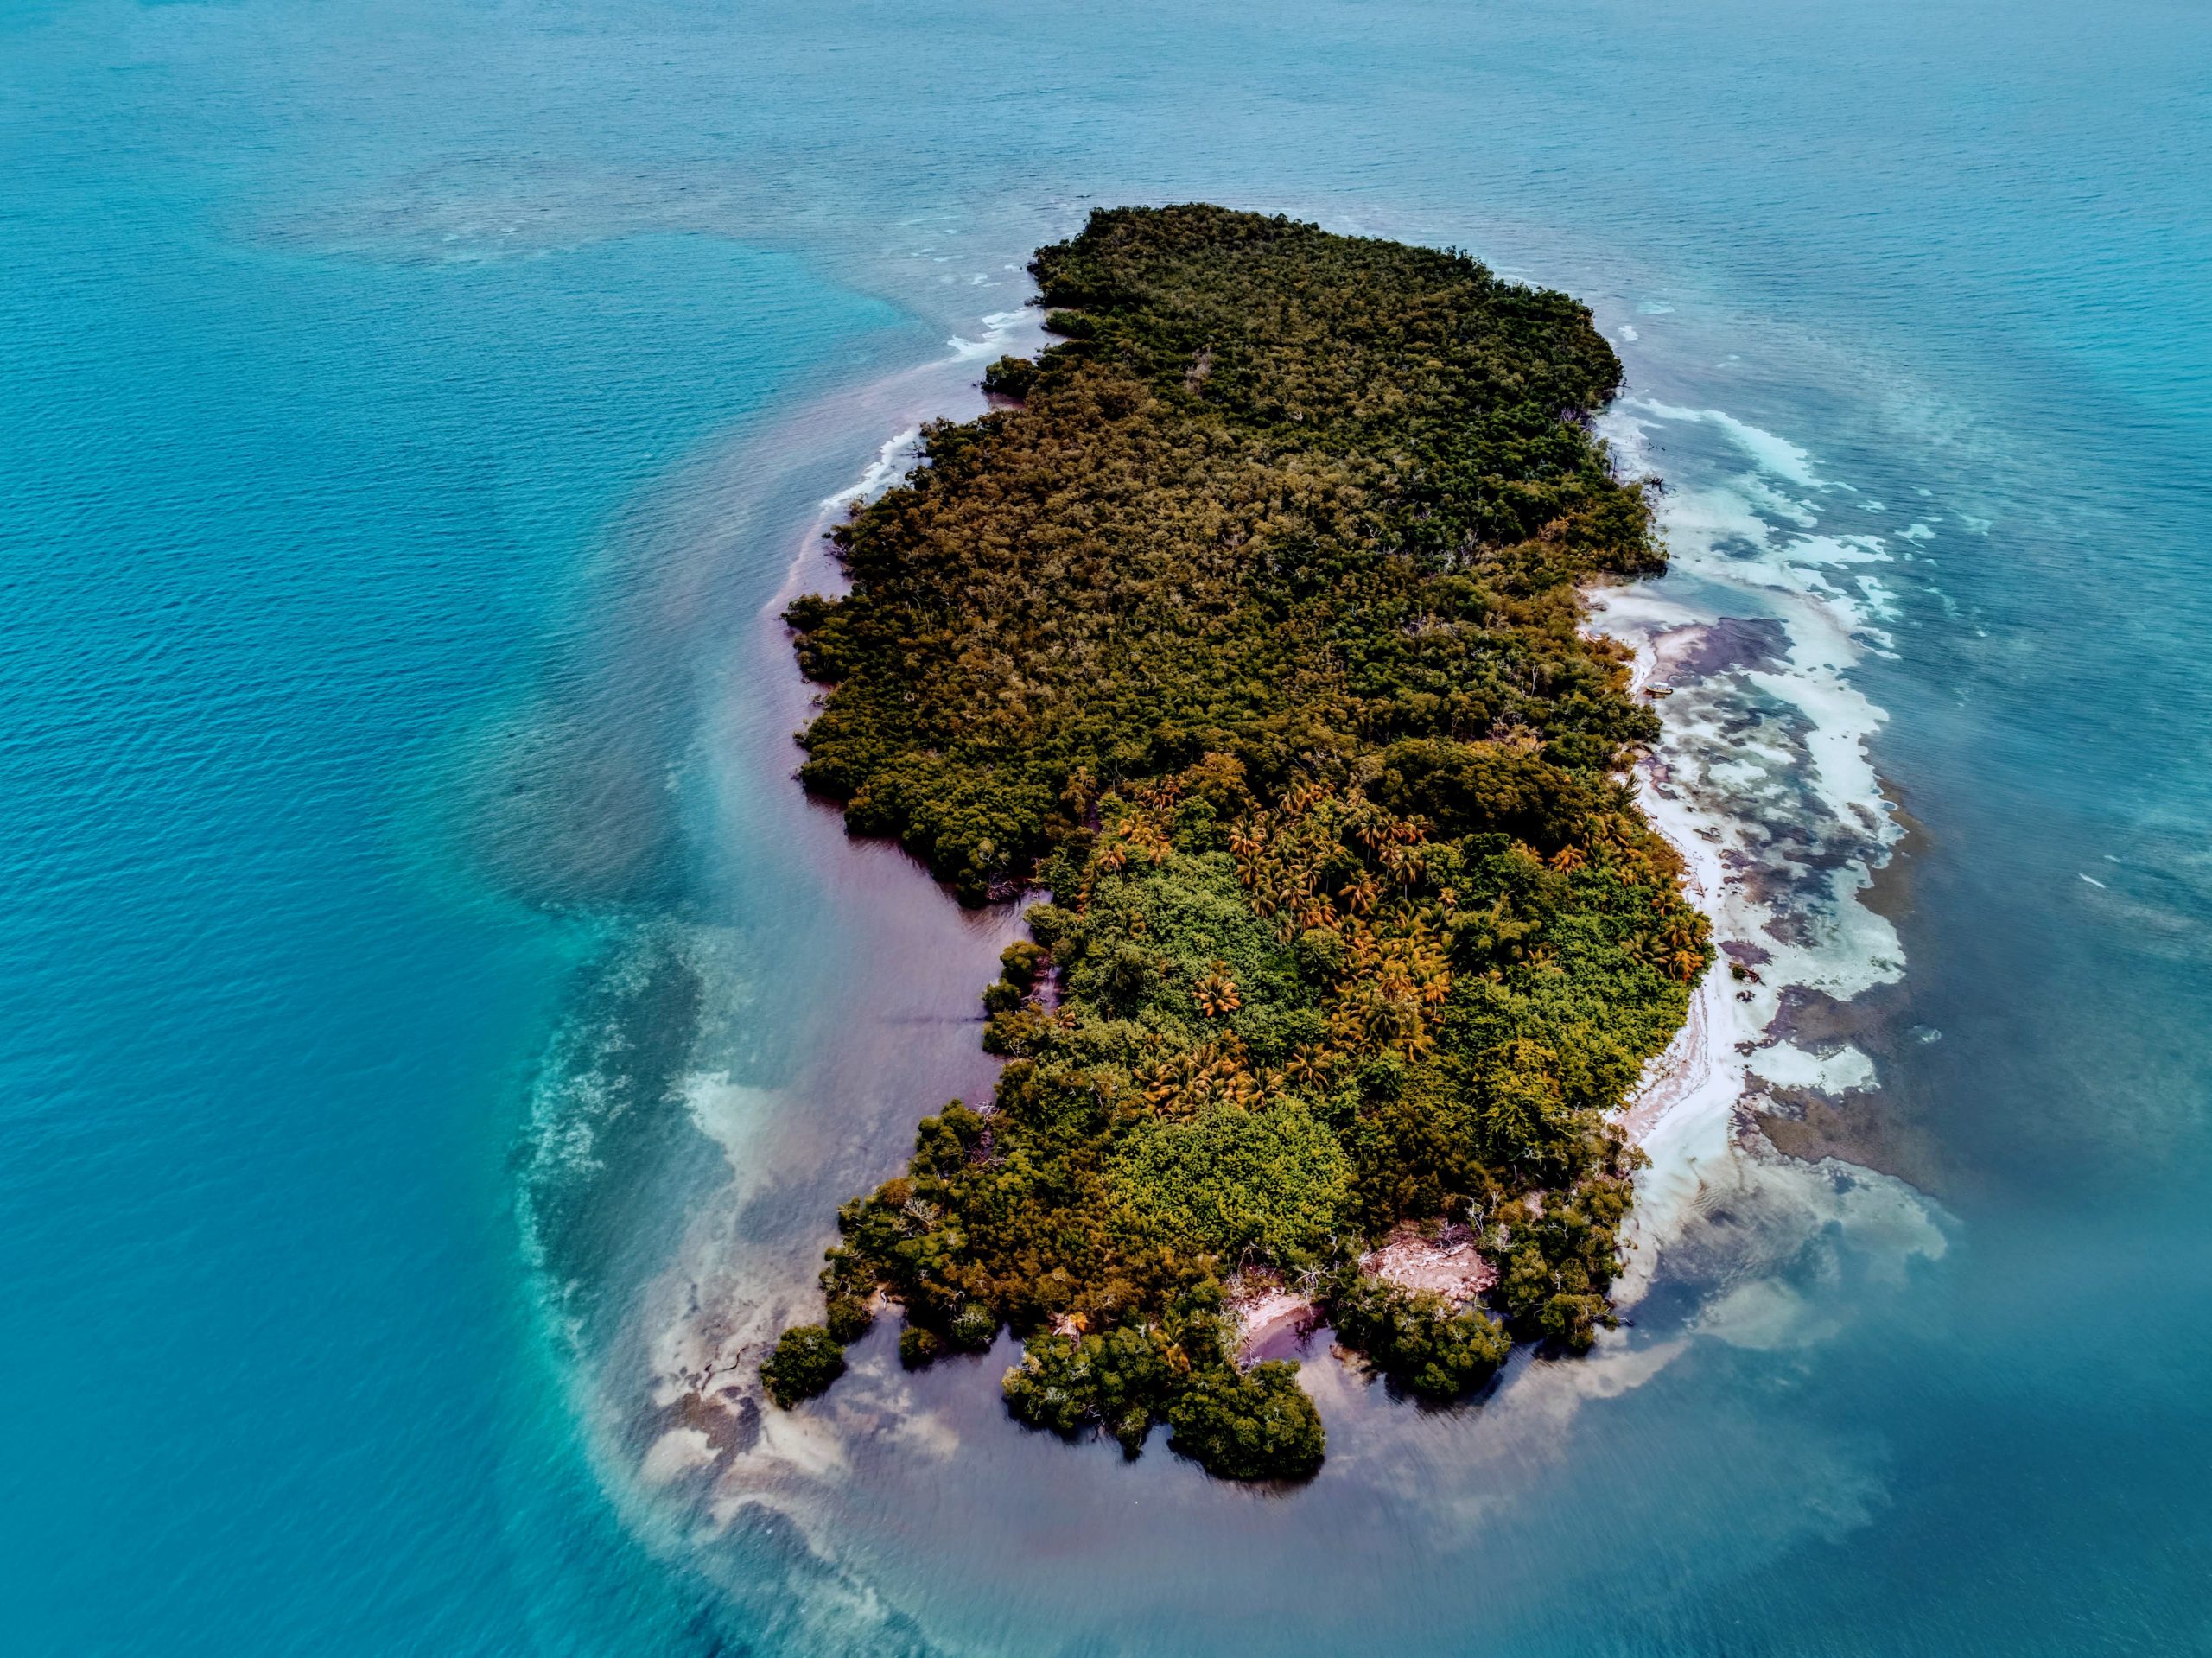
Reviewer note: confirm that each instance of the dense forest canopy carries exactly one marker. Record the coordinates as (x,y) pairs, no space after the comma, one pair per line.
(1247,627)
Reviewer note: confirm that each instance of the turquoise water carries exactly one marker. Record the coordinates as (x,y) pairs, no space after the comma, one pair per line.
(438,1026)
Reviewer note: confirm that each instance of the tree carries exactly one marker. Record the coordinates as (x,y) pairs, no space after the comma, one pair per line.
(1255,1425)
(807,1359)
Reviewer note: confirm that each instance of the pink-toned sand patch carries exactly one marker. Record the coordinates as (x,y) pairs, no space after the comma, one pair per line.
(1266,1308)
(1445,1262)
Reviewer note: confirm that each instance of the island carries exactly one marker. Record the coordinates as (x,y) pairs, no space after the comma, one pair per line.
(1245,632)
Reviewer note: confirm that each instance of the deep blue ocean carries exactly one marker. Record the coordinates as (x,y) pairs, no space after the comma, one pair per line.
(437,1031)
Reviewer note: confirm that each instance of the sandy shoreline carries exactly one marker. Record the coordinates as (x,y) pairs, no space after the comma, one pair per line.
(1791,924)
(1682,1113)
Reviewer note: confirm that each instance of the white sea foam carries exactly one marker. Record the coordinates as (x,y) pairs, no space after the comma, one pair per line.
(1787,1065)
(1763,781)
(1770,454)
(1000,328)
(901,453)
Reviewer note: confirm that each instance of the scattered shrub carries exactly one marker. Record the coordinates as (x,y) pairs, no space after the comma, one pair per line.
(807,1359)
(850,1319)
(1260,1426)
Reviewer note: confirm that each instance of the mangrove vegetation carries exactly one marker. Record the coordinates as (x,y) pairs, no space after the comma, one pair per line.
(1246,627)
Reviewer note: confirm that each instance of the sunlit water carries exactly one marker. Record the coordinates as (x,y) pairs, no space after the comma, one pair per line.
(440,1030)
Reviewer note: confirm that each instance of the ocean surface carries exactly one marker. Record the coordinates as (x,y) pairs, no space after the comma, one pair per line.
(438,1030)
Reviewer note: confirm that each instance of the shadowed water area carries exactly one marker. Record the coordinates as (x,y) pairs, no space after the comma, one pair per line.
(441,1030)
